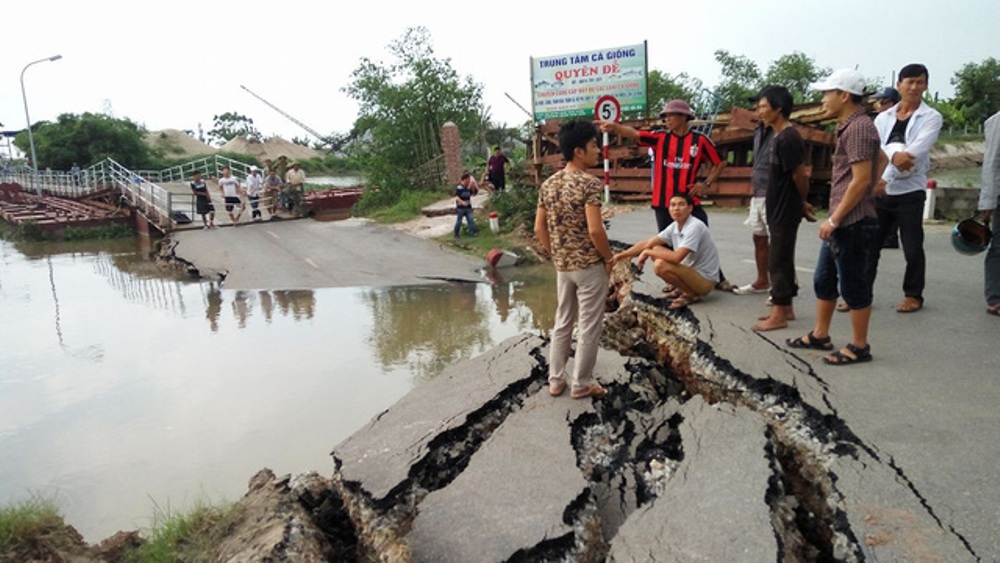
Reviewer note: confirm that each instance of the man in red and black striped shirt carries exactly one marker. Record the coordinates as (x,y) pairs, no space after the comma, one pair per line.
(678,155)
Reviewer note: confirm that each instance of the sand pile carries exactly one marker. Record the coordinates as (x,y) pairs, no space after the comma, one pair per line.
(176,144)
(271,148)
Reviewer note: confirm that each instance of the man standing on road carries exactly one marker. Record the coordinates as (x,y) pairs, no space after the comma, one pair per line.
(907,131)
(230,188)
(785,200)
(757,218)
(463,206)
(295,182)
(496,169)
(989,201)
(272,188)
(255,186)
(678,155)
(203,201)
(570,229)
(849,233)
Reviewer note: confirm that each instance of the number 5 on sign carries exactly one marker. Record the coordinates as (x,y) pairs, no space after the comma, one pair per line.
(607,109)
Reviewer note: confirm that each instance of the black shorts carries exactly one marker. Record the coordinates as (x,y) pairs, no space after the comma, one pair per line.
(204,206)
(232,201)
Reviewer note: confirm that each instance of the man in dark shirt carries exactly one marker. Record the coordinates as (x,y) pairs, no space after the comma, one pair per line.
(202,200)
(496,169)
(785,202)
(463,205)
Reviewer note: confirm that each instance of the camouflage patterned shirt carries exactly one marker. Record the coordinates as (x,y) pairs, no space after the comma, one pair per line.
(564,196)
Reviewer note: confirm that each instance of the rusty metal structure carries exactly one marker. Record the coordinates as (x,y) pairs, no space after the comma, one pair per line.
(630,173)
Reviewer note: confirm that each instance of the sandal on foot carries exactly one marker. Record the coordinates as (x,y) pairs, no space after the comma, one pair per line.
(682,301)
(592,390)
(909,305)
(842,307)
(839,358)
(556,388)
(810,341)
(993,310)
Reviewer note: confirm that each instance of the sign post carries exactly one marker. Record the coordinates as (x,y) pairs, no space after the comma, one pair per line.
(607,109)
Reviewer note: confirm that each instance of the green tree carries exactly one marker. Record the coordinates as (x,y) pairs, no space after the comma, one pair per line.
(796,71)
(661,88)
(741,78)
(977,90)
(230,125)
(402,107)
(86,139)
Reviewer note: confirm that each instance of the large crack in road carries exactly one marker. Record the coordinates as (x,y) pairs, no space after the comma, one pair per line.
(630,448)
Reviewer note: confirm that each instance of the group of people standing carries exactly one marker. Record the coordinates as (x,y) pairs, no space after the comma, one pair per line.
(878,186)
(282,187)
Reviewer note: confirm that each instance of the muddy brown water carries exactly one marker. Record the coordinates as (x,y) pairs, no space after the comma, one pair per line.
(126,393)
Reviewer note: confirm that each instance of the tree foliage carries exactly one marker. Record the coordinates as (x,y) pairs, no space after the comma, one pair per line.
(977,90)
(230,125)
(86,139)
(796,71)
(661,88)
(741,78)
(402,106)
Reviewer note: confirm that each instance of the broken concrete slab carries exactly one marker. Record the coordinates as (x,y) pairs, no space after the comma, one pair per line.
(713,508)
(520,493)
(379,458)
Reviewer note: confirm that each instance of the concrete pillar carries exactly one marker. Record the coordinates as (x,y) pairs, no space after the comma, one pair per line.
(451,146)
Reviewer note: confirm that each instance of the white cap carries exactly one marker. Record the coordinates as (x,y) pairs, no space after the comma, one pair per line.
(253,168)
(846,79)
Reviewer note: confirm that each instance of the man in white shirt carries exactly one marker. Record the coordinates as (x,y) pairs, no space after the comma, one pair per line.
(989,200)
(255,186)
(908,131)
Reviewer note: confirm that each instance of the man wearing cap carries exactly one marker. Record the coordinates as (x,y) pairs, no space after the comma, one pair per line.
(255,185)
(678,155)
(885,98)
(295,181)
(849,232)
(907,131)
(989,200)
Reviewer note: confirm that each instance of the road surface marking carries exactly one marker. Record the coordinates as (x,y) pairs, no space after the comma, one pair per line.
(272,234)
(311,263)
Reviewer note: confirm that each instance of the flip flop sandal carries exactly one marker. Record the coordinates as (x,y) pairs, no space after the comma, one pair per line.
(811,342)
(593,390)
(909,305)
(843,307)
(839,358)
(556,388)
(993,310)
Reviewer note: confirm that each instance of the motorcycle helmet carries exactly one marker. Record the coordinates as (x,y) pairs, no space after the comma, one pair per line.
(970,237)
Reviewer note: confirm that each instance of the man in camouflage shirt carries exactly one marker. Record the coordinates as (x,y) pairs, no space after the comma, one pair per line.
(569,228)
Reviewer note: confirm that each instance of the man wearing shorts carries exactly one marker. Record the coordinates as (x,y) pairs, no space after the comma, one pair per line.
(203,201)
(757,219)
(850,231)
(230,188)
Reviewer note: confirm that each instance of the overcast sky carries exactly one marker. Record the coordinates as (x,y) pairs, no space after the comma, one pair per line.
(177,64)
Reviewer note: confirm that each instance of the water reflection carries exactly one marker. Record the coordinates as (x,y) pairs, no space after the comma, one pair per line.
(121,384)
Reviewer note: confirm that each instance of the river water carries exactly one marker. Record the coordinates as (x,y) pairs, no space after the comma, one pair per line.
(125,392)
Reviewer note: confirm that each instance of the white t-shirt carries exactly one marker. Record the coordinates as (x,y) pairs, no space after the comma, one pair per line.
(255,185)
(704,257)
(230,186)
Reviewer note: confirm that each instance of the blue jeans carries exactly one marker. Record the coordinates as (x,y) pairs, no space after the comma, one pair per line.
(844,261)
(467,213)
(991,266)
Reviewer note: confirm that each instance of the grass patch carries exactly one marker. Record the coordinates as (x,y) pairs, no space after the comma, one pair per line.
(28,523)
(186,537)
(408,206)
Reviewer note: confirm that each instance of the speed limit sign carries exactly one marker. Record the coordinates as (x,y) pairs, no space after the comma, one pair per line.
(608,109)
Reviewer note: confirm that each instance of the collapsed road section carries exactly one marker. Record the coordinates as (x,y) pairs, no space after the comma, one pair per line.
(687,458)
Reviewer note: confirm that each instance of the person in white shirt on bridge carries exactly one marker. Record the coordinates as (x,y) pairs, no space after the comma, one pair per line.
(231,191)
(255,186)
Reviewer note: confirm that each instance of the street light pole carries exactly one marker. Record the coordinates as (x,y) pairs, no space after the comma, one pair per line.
(31,137)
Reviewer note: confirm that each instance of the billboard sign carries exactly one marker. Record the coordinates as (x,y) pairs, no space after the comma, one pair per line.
(569,85)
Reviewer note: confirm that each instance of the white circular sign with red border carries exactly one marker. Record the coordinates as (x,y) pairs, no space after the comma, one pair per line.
(608,109)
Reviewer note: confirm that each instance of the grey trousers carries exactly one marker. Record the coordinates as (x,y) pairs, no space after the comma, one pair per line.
(581,297)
